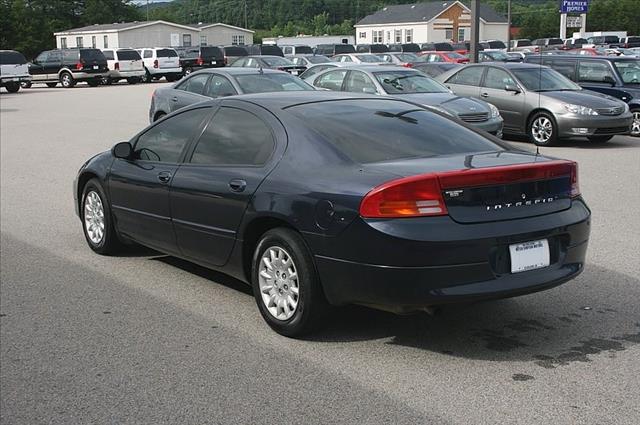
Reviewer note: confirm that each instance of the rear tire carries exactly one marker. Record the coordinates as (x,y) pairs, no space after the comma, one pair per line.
(635,127)
(94,83)
(67,81)
(542,129)
(286,285)
(52,85)
(97,223)
(106,81)
(599,139)
(12,87)
(133,80)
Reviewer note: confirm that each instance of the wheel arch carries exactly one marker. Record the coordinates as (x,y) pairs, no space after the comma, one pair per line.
(83,179)
(537,111)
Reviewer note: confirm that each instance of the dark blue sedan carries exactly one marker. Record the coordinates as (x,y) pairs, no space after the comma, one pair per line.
(322,198)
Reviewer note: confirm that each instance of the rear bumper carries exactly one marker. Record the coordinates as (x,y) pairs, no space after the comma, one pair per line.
(576,126)
(163,72)
(83,76)
(127,74)
(459,263)
(14,79)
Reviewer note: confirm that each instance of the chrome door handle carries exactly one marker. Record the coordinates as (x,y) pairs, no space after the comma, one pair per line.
(174,99)
(237,185)
(484,95)
(164,177)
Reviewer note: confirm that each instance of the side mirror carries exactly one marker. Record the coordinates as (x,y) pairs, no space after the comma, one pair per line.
(512,88)
(122,150)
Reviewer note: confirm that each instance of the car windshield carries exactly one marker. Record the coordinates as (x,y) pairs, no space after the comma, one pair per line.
(380,130)
(629,71)
(497,55)
(370,58)
(318,59)
(277,61)
(271,82)
(544,79)
(406,82)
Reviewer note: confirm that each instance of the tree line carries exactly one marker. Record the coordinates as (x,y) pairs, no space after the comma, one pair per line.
(28,25)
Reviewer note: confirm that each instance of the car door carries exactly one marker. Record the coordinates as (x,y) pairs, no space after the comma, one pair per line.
(466,82)
(189,91)
(139,187)
(510,103)
(210,192)
(37,67)
(53,64)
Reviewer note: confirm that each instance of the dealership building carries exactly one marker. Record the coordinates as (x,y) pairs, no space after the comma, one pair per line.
(153,34)
(434,21)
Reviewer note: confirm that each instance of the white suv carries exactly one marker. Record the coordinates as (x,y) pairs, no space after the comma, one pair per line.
(123,64)
(13,70)
(160,62)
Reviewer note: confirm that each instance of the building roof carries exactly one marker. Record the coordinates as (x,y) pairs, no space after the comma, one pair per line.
(123,26)
(424,12)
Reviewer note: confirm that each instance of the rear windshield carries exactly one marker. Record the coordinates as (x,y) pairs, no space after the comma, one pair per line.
(12,58)
(633,39)
(128,55)
(92,55)
(166,53)
(271,50)
(235,51)
(411,47)
(211,52)
(318,59)
(611,39)
(406,82)
(444,47)
(496,44)
(553,41)
(344,48)
(278,61)
(268,82)
(377,130)
(304,50)
(524,43)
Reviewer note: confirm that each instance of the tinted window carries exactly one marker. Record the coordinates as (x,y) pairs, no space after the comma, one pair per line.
(499,45)
(166,53)
(12,58)
(165,141)
(56,56)
(108,54)
(596,72)
(235,51)
(234,137)
(211,52)
(128,55)
(270,50)
(497,79)
(270,82)
(195,84)
(523,43)
(372,130)
(444,47)
(629,71)
(553,41)
(304,50)
(331,80)
(219,86)
(92,55)
(468,76)
(404,82)
(344,48)
(148,54)
(69,56)
(565,67)
(318,59)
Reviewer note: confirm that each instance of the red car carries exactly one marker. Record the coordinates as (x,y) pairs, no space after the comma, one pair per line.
(451,57)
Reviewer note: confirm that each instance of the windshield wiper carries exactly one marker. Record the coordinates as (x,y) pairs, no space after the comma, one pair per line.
(400,115)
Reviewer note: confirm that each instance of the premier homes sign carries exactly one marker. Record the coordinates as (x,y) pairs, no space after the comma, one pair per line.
(574,6)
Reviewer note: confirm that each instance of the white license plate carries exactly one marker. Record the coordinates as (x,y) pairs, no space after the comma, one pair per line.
(294,72)
(95,66)
(529,255)
(213,62)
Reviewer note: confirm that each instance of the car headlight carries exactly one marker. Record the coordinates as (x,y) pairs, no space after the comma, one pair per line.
(495,113)
(579,110)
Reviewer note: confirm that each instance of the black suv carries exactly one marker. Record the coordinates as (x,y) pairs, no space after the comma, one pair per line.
(615,76)
(231,53)
(69,66)
(195,58)
(334,49)
(263,50)
(404,48)
(372,48)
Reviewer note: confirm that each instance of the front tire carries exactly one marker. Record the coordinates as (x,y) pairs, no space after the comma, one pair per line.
(542,129)
(97,223)
(635,127)
(67,80)
(12,87)
(286,285)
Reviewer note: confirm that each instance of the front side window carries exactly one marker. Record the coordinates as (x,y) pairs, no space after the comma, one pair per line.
(595,72)
(497,79)
(234,137)
(359,82)
(42,57)
(219,86)
(79,42)
(470,76)
(629,71)
(407,82)
(331,80)
(165,141)
(195,84)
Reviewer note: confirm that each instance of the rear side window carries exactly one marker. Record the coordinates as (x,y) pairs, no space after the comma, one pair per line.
(10,57)
(165,141)
(148,54)
(305,50)
(128,55)
(108,54)
(92,55)
(372,130)
(564,67)
(166,53)
(468,76)
(68,56)
(234,137)
(235,51)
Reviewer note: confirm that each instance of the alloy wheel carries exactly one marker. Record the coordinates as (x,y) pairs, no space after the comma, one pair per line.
(94,217)
(635,127)
(278,281)
(542,129)
(66,80)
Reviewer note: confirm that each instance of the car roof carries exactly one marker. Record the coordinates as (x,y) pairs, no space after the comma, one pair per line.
(376,68)
(570,56)
(507,65)
(263,56)
(238,70)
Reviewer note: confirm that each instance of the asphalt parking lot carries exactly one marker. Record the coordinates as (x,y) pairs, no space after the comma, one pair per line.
(145,338)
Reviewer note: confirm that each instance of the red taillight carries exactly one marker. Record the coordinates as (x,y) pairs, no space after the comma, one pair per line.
(407,197)
(155,64)
(116,66)
(226,60)
(421,195)
(199,61)
(407,65)
(79,65)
